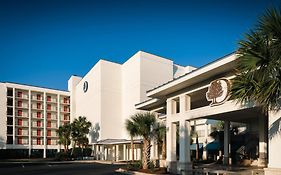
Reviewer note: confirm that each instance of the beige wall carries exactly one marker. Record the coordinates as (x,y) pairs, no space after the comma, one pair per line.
(274,140)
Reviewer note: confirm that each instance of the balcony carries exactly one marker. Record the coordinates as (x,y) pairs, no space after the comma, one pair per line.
(65,101)
(22,115)
(35,107)
(22,96)
(37,98)
(51,99)
(22,106)
(52,109)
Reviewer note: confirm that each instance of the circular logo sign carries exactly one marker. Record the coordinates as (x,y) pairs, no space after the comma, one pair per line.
(85,86)
(218,91)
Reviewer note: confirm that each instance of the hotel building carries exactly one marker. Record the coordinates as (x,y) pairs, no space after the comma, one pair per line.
(30,117)
(185,98)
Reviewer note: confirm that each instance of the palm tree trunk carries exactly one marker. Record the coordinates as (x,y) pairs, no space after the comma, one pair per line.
(164,150)
(146,154)
(132,149)
(197,148)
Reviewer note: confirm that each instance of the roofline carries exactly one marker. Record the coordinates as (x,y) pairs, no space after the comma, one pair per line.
(35,86)
(195,70)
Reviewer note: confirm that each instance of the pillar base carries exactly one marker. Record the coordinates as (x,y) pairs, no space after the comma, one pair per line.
(272,171)
(262,162)
(184,168)
(171,166)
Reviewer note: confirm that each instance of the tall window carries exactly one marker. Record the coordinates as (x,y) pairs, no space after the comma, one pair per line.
(20,94)
(19,103)
(48,124)
(19,140)
(20,122)
(49,141)
(20,131)
(38,132)
(49,115)
(38,114)
(19,112)
(38,141)
(38,96)
(65,109)
(38,105)
(38,123)
(49,133)
(49,98)
(65,100)
(65,117)
(49,107)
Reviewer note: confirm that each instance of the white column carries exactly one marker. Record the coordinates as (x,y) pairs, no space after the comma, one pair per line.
(171,138)
(226,142)
(184,162)
(29,123)
(117,153)
(205,154)
(102,152)
(124,152)
(14,116)
(58,117)
(44,132)
(105,153)
(262,161)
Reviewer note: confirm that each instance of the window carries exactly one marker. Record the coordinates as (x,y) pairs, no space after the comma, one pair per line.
(49,141)
(19,103)
(38,114)
(38,123)
(20,94)
(38,132)
(9,121)
(49,107)
(65,109)
(19,140)
(65,117)
(9,130)
(38,141)
(49,98)
(20,131)
(49,133)
(48,124)
(10,92)
(20,122)
(10,102)
(65,100)
(9,111)
(38,105)
(38,97)
(49,115)
(9,140)
(19,112)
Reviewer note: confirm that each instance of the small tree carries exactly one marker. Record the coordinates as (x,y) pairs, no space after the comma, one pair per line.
(160,134)
(144,123)
(64,133)
(79,129)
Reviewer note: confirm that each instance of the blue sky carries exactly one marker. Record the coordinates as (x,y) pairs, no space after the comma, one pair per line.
(44,42)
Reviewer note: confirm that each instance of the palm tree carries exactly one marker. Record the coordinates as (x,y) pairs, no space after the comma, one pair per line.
(79,129)
(258,77)
(64,133)
(132,129)
(144,123)
(160,134)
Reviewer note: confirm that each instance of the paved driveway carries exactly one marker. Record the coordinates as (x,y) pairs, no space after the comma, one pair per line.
(76,168)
